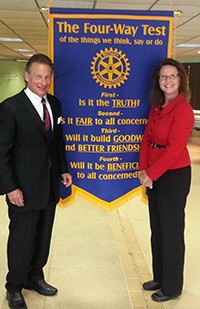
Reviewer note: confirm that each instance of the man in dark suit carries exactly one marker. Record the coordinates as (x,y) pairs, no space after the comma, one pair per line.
(32,164)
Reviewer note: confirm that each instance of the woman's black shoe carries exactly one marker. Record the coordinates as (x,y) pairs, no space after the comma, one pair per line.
(151,285)
(160,297)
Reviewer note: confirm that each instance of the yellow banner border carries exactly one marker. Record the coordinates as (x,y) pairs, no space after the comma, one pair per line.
(92,199)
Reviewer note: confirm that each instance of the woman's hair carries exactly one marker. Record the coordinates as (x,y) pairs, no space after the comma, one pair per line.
(39,58)
(157,95)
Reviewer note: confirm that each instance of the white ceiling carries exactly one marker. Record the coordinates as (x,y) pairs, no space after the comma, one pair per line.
(23,19)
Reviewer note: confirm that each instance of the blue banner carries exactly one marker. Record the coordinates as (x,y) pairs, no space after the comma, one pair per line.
(104,61)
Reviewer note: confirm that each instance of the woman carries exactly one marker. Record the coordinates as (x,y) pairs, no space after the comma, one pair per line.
(165,170)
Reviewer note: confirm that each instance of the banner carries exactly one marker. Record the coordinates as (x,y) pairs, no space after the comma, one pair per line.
(104,62)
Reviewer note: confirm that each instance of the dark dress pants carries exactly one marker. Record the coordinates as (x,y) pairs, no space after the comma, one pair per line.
(28,244)
(167,201)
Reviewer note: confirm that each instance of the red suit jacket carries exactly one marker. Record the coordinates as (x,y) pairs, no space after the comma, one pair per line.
(170,127)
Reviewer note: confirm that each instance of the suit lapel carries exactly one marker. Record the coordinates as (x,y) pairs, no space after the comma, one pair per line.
(30,110)
(54,112)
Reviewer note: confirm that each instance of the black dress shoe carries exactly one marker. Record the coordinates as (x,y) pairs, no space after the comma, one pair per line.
(16,300)
(42,287)
(160,297)
(151,285)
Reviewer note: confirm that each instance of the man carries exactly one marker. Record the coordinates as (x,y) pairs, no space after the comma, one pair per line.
(32,164)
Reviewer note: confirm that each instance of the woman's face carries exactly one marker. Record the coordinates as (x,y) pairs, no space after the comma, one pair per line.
(169,81)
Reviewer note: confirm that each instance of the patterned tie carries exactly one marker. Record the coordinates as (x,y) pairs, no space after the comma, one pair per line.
(46,118)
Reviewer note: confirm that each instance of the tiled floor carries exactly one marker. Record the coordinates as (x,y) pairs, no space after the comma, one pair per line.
(100,258)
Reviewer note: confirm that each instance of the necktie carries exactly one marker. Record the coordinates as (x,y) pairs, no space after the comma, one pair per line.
(46,118)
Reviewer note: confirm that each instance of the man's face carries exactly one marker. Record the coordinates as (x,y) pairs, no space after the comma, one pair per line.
(39,78)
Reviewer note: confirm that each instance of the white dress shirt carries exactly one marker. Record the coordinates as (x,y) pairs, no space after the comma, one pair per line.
(36,101)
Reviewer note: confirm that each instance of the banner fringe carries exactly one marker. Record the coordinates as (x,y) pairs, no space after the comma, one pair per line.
(95,201)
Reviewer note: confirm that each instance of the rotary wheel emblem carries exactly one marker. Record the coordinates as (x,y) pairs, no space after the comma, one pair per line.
(110,68)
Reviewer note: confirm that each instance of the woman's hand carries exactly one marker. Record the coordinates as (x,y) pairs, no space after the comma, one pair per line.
(145,180)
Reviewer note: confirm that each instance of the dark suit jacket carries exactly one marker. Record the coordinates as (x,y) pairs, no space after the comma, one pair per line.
(26,152)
